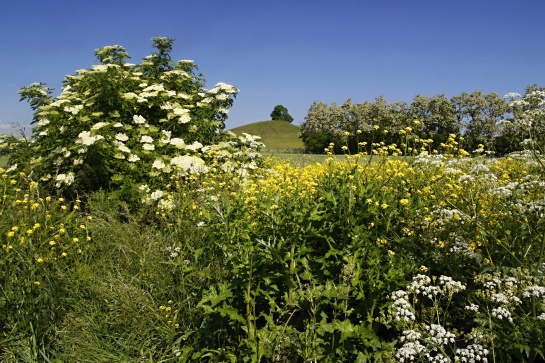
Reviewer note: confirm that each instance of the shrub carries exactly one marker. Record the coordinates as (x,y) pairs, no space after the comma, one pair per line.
(118,125)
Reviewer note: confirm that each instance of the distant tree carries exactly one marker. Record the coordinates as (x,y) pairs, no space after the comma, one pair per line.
(317,131)
(480,116)
(281,113)
(437,116)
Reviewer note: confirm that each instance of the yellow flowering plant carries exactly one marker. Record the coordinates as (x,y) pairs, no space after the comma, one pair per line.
(40,244)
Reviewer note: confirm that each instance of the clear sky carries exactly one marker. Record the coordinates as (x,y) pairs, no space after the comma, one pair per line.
(289,52)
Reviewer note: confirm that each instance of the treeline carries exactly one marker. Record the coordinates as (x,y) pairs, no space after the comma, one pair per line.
(480,118)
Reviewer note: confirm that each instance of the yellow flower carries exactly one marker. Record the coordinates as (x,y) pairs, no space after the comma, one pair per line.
(64,254)
(75,240)
(404,202)
(52,243)
(382,241)
(11,234)
(384,206)
(40,260)
(37,283)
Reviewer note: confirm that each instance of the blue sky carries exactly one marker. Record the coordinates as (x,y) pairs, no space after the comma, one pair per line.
(289,52)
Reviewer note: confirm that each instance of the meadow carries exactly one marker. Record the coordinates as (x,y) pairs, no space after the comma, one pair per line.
(433,258)
(133,228)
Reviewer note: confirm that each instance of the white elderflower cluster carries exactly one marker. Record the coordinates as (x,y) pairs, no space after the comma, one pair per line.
(66,179)
(86,139)
(188,163)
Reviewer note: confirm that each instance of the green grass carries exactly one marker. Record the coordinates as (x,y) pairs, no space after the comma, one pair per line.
(278,136)
(3,161)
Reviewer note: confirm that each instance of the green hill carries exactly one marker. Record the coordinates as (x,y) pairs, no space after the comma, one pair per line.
(278,136)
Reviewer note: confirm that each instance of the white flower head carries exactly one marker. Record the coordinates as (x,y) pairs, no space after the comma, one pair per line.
(156,195)
(133,158)
(177,142)
(158,164)
(139,119)
(194,147)
(43,122)
(146,139)
(121,137)
(85,138)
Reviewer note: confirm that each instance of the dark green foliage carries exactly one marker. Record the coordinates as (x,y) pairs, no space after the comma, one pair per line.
(281,113)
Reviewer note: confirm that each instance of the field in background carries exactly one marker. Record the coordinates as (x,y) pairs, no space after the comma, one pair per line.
(278,136)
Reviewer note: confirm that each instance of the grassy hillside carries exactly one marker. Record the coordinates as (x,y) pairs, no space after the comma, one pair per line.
(278,136)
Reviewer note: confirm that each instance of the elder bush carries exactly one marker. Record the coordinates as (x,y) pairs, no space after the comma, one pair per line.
(119,125)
